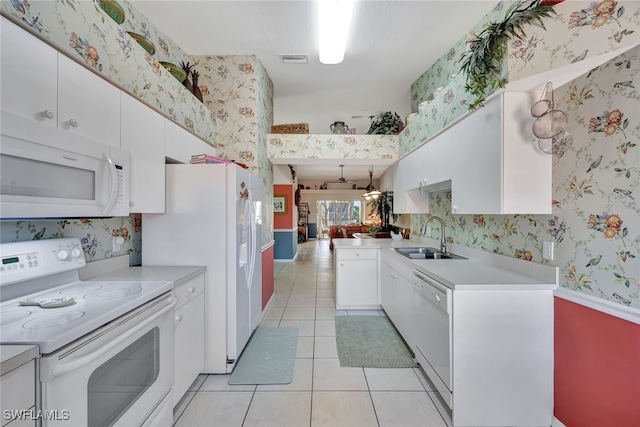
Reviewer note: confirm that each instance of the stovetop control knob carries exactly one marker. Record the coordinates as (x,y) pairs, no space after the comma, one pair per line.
(62,255)
(75,253)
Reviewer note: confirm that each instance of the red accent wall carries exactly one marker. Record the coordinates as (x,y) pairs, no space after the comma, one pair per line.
(267,275)
(284,221)
(597,368)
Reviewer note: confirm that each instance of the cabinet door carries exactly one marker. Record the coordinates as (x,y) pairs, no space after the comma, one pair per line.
(399,197)
(389,291)
(357,283)
(411,200)
(29,75)
(433,161)
(477,161)
(87,104)
(143,136)
(177,143)
(189,346)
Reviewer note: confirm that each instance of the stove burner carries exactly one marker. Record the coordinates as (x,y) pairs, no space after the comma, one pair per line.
(109,292)
(82,287)
(54,320)
(11,316)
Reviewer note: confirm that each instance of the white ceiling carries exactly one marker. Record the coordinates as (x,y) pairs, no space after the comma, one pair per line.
(391,43)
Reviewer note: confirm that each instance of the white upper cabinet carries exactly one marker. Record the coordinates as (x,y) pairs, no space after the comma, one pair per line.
(428,168)
(497,167)
(41,84)
(29,70)
(142,134)
(87,104)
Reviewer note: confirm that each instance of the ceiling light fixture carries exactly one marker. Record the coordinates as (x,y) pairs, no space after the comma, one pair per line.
(372,193)
(334,22)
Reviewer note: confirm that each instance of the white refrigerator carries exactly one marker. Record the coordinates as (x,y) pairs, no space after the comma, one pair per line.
(213,218)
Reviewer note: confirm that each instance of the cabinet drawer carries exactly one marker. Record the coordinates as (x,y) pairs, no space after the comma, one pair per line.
(18,389)
(188,290)
(356,254)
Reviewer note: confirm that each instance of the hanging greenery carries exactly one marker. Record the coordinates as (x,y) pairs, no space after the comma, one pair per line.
(483,65)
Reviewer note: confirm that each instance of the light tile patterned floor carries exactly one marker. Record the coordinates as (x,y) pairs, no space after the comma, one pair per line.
(322,393)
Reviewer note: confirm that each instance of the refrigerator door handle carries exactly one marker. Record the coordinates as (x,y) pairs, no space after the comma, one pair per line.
(252,247)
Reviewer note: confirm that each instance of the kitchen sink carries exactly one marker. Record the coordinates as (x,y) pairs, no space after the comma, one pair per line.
(425,253)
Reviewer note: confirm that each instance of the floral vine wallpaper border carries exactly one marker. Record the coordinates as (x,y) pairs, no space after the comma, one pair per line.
(313,146)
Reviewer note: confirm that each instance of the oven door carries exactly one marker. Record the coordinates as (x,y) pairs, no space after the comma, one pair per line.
(119,375)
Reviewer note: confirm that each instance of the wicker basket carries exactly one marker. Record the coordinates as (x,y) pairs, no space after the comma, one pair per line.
(291,128)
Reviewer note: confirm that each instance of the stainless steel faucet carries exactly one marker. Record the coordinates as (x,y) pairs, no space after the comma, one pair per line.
(443,240)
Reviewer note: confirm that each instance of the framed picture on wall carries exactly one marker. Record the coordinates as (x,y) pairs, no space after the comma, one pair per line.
(280,204)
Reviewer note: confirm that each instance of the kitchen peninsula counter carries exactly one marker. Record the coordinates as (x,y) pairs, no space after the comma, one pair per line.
(478,270)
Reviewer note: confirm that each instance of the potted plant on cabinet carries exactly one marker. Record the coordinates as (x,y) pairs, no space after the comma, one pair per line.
(386,123)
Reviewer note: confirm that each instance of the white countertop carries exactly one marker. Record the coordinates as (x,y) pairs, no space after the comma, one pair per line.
(14,356)
(177,275)
(479,271)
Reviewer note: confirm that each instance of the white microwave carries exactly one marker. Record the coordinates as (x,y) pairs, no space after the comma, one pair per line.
(47,172)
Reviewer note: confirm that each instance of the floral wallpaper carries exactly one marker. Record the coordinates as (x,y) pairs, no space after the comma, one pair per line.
(581,29)
(239,92)
(95,234)
(596,217)
(285,146)
(82,29)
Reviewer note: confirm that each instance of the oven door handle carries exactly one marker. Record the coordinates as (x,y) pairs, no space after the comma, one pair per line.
(64,367)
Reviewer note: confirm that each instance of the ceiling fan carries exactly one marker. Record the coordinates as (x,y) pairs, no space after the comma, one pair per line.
(342,179)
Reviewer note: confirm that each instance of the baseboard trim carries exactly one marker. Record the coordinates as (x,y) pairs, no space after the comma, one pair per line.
(620,311)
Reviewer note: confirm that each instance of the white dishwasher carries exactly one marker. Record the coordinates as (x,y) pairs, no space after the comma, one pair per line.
(432,314)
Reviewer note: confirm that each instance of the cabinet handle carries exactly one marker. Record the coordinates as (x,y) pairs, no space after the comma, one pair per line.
(73,123)
(357,253)
(47,114)
(438,297)
(179,318)
(192,290)
(341,264)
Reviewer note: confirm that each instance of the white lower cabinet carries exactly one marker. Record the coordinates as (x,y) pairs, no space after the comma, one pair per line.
(396,296)
(189,335)
(488,351)
(18,391)
(357,277)
(502,357)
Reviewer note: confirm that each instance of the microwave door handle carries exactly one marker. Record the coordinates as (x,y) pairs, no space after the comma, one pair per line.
(74,364)
(113,184)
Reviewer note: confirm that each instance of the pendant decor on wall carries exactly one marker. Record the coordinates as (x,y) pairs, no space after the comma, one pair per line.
(550,123)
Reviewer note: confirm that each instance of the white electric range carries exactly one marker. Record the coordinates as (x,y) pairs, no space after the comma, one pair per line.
(106,347)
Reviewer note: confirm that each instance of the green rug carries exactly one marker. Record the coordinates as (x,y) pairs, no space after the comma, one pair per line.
(371,342)
(268,358)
